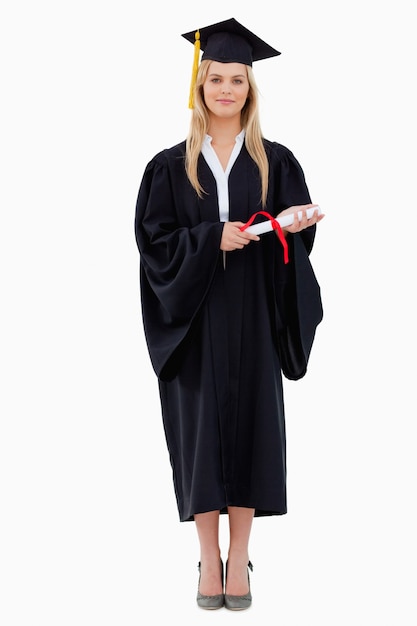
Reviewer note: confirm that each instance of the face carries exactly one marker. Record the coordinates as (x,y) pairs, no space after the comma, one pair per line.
(226,89)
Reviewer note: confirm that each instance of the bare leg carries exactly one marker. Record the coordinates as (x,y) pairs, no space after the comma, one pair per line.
(240,524)
(207,525)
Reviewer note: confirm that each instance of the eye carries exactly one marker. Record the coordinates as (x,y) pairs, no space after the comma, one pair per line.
(238,81)
(215,80)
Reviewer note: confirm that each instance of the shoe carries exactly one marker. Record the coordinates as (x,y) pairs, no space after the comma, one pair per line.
(238,603)
(210,602)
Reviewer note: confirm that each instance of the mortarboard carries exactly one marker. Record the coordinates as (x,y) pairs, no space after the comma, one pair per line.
(227,42)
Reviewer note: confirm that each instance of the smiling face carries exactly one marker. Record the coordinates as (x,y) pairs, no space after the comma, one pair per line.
(226,89)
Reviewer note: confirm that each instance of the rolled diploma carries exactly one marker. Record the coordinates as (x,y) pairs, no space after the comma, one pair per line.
(285,220)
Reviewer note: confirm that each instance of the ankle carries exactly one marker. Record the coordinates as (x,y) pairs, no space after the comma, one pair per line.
(210,557)
(238,558)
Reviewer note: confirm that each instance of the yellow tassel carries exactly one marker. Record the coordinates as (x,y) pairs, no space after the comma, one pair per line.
(195,69)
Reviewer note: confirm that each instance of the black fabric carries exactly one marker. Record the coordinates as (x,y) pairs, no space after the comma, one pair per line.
(214,333)
(303,312)
(231,42)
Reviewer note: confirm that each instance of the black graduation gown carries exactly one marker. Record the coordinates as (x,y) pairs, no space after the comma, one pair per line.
(212,331)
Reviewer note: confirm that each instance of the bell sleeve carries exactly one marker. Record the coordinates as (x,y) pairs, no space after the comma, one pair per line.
(178,259)
(297,291)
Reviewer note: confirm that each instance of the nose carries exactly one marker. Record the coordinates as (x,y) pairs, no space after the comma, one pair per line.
(225,88)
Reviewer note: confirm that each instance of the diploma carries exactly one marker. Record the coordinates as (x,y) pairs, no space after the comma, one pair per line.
(284,220)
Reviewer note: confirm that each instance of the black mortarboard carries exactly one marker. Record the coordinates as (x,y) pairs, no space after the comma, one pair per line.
(227,42)
(230,42)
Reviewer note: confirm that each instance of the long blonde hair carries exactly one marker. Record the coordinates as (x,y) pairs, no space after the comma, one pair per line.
(250,122)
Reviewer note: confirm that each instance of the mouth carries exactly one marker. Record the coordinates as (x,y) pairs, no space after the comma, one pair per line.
(224,101)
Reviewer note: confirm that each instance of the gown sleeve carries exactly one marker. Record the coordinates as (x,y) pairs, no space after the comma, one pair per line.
(301,311)
(178,259)
(298,294)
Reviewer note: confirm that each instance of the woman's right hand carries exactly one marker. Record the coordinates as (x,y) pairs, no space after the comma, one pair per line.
(235,239)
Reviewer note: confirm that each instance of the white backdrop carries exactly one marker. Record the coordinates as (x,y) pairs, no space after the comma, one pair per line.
(89,528)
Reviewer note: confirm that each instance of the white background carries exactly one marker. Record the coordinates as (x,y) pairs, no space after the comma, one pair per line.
(90,91)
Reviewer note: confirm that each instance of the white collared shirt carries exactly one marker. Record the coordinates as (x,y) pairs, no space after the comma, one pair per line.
(221,176)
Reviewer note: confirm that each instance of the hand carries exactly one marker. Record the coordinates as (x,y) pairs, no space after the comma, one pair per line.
(235,239)
(304,222)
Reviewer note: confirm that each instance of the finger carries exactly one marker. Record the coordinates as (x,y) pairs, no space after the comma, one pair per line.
(296,221)
(251,237)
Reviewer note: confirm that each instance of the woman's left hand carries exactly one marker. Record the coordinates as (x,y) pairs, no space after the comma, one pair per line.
(300,224)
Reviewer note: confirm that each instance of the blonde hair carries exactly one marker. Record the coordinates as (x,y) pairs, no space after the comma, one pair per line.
(250,122)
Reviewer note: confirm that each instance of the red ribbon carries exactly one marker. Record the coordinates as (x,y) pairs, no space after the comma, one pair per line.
(275,225)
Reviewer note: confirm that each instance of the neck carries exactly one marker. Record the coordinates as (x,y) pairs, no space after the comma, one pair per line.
(224,132)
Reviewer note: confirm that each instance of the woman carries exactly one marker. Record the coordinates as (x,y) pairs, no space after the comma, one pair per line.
(215,299)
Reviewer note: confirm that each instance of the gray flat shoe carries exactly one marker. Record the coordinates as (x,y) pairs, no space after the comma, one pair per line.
(239,603)
(210,602)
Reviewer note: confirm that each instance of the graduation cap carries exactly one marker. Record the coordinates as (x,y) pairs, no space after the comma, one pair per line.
(226,42)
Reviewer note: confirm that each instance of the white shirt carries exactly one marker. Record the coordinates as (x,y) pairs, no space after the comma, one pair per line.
(221,176)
